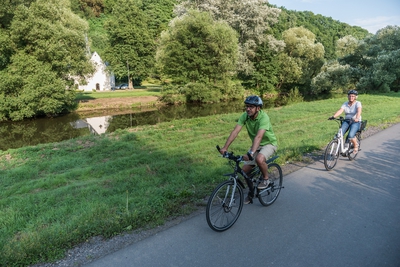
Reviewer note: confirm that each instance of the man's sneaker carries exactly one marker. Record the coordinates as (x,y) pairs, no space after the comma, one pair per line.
(263,184)
(248,200)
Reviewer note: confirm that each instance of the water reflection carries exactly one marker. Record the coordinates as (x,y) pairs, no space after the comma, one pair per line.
(49,130)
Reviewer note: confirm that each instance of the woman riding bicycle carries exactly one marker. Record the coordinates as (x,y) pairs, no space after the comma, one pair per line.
(352,109)
(264,142)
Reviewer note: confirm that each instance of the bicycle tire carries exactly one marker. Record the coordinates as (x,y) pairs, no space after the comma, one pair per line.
(350,155)
(270,194)
(330,158)
(220,216)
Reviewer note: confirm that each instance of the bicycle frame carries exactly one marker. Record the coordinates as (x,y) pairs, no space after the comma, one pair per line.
(248,178)
(341,146)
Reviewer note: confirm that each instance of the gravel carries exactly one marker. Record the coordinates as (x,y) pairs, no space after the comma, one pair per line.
(97,247)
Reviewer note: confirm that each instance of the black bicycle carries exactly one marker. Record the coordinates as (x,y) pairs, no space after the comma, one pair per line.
(338,146)
(226,201)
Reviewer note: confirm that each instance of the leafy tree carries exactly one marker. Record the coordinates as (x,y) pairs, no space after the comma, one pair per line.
(30,88)
(197,49)
(374,61)
(264,78)
(327,30)
(371,64)
(333,77)
(5,48)
(250,19)
(131,45)
(383,72)
(45,49)
(97,35)
(88,8)
(50,32)
(7,9)
(301,60)
(160,13)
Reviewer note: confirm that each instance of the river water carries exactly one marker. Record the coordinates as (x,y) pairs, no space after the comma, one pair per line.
(49,130)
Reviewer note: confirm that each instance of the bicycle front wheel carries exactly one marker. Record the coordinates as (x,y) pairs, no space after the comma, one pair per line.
(270,194)
(224,206)
(331,154)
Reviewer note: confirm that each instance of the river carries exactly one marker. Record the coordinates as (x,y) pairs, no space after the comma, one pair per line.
(49,130)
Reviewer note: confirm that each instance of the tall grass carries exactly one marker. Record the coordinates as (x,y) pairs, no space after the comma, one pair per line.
(54,196)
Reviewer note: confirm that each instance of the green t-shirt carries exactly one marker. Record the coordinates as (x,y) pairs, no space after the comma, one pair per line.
(261,122)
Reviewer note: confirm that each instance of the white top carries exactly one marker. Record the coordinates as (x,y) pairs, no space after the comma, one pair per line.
(351,111)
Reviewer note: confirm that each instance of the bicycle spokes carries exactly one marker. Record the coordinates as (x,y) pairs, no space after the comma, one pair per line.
(224,206)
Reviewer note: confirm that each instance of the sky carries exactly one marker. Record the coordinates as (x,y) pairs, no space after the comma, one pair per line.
(368,14)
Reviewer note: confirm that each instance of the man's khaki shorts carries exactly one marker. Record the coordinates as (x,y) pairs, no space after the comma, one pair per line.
(267,151)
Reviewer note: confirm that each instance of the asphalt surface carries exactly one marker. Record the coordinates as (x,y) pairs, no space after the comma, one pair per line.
(349,216)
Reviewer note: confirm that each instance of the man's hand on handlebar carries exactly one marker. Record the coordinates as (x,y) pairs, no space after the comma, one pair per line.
(222,151)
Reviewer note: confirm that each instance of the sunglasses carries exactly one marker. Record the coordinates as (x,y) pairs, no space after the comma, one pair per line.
(249,107)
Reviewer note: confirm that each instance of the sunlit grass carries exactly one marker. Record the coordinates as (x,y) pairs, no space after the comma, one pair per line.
(55,196)
(149,90)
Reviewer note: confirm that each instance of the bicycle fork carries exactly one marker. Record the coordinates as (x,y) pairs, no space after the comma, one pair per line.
(230,194)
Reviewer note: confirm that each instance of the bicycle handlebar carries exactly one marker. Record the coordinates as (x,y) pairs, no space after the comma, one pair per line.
(230,155)
(339,119)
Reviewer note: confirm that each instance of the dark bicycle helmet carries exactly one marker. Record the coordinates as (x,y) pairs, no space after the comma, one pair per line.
(352,92)
(254,100)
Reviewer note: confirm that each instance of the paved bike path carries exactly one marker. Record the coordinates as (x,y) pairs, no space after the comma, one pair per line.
(349,216)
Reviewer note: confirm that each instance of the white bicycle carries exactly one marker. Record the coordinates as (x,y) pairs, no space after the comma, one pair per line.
(338,146)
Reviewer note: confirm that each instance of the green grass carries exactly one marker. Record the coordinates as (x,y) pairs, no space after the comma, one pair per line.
(55,196)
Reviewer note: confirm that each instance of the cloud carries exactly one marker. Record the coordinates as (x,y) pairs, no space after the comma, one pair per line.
(377,23)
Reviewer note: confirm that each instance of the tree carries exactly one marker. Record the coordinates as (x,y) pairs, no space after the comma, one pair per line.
(197,49)
(131,45)
(302,58)
(30,88)
(160,13)
(200,56)
(250,19)
(264,78)
(50,32)
(333,77)
(375,60)
(327,30)
(46,48)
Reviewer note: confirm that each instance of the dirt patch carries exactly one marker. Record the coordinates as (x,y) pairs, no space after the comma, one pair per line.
(116,103)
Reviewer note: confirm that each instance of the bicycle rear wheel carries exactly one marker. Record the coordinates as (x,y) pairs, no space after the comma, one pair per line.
(331,154)
(224,206)
(350,155)
(268,195)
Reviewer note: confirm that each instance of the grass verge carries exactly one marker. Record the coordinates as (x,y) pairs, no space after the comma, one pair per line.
(55,196)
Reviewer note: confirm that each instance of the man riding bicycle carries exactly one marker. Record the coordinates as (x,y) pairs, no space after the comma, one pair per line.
(264,142)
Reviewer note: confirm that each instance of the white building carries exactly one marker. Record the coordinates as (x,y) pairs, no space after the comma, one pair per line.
(101,79)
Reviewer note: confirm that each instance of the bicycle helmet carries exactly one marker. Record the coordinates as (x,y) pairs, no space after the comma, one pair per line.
(352,92)
(254,100)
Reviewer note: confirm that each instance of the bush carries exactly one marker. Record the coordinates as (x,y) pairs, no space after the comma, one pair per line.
(294,96)
(172,94)
(200,92)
